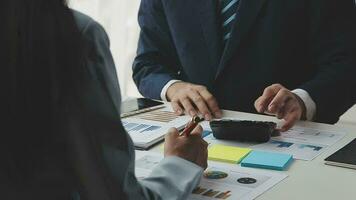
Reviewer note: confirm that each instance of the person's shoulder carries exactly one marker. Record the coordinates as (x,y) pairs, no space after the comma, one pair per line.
(88,27)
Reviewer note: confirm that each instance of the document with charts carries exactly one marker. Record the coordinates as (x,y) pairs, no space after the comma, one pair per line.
(146,129)
(220,181)
(303,143)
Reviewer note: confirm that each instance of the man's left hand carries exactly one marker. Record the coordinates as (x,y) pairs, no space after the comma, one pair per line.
(281,102)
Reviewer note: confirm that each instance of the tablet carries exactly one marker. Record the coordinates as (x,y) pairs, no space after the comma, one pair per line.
(139,105)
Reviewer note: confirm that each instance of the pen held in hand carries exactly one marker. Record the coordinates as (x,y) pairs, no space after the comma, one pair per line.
(191,125)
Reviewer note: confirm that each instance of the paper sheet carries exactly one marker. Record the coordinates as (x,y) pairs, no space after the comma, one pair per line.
(221,181)
(302,143)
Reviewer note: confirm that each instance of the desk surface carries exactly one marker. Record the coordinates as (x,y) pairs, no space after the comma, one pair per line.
(311,179)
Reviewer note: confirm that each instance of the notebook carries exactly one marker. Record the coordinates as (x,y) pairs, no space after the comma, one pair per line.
(267,160)
(227,154)
(344,157)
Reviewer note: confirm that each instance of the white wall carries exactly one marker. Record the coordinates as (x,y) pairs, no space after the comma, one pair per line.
(119,18)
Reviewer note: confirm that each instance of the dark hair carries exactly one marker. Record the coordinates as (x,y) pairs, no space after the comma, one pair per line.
(41,70)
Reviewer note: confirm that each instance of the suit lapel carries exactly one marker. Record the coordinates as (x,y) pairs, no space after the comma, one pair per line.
(248,12)
(209,20)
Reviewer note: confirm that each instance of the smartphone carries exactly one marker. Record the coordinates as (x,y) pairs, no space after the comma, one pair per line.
(138,105)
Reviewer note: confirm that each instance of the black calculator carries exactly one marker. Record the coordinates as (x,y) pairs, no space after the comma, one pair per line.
(243,130)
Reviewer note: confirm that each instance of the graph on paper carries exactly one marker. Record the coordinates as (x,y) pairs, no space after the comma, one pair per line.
(158,116)
(229,183)
(140,128)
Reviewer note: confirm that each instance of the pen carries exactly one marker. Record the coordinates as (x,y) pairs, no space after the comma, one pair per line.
(191,125)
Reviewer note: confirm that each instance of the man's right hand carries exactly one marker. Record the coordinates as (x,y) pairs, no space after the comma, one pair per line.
(193,99)
(192,148)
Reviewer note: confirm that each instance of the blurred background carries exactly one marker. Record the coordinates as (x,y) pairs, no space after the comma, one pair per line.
(119,18)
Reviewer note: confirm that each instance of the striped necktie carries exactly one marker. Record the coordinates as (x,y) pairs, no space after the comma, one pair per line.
(228,15)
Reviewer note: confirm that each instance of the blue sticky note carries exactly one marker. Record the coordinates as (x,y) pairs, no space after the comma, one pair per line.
(206,133)
(267,160)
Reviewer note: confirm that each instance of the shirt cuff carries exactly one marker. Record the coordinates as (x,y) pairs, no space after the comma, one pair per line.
(309,103)
(165,88)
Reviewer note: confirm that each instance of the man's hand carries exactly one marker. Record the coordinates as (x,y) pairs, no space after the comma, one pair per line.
(279,101)
(192,99)
(192,148)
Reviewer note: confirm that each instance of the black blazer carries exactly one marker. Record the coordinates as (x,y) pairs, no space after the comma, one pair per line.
(298,43)
(72,166)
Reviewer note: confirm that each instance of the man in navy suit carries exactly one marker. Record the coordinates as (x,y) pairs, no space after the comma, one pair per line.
(292,59)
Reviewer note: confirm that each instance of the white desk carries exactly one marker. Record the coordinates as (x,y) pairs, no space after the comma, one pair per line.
(310,179)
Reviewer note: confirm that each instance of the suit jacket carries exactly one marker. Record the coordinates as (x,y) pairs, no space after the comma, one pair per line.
(101,160)
(298,43)
(103,151)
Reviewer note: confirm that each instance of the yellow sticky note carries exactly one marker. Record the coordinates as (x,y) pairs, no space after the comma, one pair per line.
(228,154)
(161,147)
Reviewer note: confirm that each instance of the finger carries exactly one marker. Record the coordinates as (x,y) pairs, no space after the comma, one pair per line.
(188,107)
(290,120)
(205,159)
(279,101)
(170,139)
(172,133)
(199,102)
(258,106)
(211,102)
(267,97)
(202,157)
(176,107)
(289,107)
(197,131)
(205,144)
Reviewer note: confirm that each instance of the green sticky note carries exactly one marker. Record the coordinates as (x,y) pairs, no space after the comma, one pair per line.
(227,154)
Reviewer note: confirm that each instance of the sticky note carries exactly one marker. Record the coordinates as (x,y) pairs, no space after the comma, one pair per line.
(228,154)
(206,133)
(267,160)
